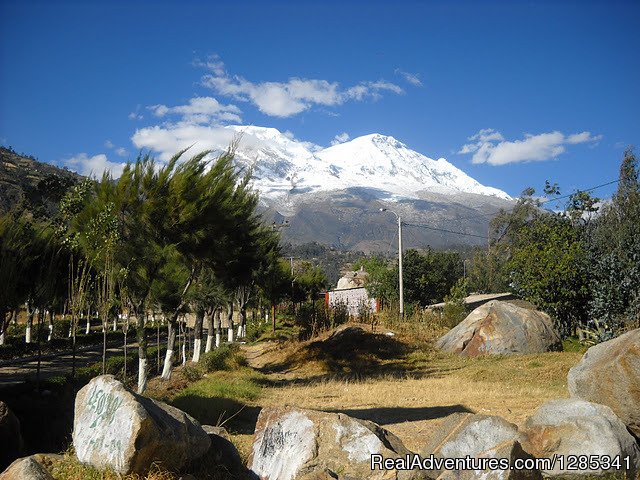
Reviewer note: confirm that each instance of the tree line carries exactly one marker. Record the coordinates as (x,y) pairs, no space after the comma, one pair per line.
(181,237)
(580,263)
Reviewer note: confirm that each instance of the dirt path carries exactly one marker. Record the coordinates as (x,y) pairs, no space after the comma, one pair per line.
(21,369)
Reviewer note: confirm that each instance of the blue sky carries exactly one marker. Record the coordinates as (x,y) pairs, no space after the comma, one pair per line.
(513,93)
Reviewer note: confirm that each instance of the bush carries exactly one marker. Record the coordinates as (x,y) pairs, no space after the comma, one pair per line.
(225,357)
(191,373)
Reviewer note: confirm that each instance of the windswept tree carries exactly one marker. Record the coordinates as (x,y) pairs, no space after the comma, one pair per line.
(211,220)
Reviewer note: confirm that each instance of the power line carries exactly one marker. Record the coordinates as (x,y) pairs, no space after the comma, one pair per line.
(484,237)
(444,230)
(541,203)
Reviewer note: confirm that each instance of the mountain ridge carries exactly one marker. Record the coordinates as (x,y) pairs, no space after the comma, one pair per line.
(283,165)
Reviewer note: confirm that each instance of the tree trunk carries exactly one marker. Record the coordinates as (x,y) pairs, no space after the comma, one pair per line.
(273,317)
(230,322)
(157,344)
(142,352)
(171,343)
(40,314)
(51,320)
(197,335)
(88,329)
(218,326)
(183,329)
(27,332)
(4,323)
(210,334)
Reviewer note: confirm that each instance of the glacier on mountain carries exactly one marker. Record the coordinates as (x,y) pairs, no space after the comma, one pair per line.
(284,167)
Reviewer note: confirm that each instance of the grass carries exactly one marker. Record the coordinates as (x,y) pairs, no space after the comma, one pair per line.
(69,468)
(410,390)
(400,382)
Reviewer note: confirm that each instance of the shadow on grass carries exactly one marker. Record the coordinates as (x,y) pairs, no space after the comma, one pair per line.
(235,416)
(389,415)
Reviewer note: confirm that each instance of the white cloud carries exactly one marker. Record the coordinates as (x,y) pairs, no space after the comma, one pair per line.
(340,138)
(200,110)
(136,115)
(169,139)
(489,146)
(121,152)
(285,99)
(109,144)
(412,78)
(94,166)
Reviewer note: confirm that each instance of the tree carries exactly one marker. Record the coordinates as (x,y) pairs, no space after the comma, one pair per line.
(382,279)
(548,268)
(615,253)
(429,275)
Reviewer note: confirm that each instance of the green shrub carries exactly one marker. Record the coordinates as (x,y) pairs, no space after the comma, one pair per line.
(225,357)
(191,373)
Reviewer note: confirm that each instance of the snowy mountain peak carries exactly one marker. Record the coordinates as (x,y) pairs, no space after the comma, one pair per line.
(284,166)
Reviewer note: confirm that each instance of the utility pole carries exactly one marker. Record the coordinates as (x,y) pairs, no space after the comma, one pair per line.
(400,276)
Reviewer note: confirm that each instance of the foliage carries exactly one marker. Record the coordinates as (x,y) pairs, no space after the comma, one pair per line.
(548,268)
(225,357)
(615,254)
(455,309)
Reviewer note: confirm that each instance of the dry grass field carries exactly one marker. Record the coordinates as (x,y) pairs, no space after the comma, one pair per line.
(402,383)
(393,377)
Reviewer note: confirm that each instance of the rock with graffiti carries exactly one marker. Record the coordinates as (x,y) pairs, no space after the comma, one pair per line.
(116,428)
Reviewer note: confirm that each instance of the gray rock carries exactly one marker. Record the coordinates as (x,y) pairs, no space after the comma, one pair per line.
(114,427)
(576,427)
(291,443)
(28,468)
(10,436)
(609,373)
(501,328)
(464,435)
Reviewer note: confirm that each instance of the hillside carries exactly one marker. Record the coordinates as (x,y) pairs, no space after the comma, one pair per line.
(28,184)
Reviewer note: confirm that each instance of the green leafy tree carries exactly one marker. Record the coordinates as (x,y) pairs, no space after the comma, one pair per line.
(615,253)
(548,268)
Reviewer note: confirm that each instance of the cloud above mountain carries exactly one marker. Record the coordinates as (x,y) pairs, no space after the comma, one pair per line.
(293,96)
(489,146)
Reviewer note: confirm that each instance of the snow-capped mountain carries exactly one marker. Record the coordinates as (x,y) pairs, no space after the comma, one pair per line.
(283,167)
(334,195)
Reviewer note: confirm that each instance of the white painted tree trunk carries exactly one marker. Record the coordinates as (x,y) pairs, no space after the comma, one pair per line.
(244,331)
(166,370)
(218,339)
(239,334)
(230,335)
(184,353)
(207,348)
(197,345)
(115,324)
(27,334)
(88,329)
(50,332)
(142,375)
(2,338)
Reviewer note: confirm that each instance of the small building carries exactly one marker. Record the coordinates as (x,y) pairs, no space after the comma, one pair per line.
(352,293)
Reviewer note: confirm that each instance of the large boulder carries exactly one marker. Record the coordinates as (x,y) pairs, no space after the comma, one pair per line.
(609,373)
(501,328)
(291,443)
(28,468)
(574,427)
(10,436)
(114,427)
(465,435)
